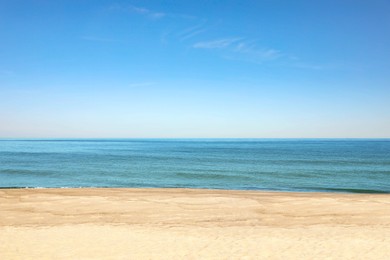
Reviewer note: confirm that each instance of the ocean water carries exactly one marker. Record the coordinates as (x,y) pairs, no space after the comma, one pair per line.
(326,165)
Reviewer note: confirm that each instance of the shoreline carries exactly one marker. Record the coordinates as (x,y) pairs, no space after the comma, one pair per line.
(172,223)
(324,190)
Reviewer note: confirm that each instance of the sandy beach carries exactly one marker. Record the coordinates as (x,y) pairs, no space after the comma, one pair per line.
(191,224)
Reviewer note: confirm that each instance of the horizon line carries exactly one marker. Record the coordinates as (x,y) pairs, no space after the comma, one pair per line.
(78,138)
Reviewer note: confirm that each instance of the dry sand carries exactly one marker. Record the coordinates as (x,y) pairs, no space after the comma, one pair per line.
(191,224)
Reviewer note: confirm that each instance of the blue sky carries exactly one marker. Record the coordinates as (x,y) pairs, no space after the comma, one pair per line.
(269,68)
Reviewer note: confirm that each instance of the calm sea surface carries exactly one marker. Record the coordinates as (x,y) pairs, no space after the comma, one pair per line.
(332,165)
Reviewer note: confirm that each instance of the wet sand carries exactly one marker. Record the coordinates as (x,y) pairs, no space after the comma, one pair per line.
(191,224)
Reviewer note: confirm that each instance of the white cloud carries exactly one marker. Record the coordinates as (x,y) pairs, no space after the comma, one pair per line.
(192,34)
(139,10)
(256,52)
(239,49)
(192,31)
(144,11)
(216,44)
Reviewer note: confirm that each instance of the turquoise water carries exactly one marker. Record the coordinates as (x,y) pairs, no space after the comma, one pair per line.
(331,165)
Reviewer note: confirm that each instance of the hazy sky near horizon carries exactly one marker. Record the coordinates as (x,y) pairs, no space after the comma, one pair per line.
(264,68)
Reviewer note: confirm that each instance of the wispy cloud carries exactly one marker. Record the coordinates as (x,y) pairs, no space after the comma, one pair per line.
(192,34)
(216,44)
(139,10)
(238,48)
(147,12)
(232,48)
(192,31)
(252,49)
(244,50)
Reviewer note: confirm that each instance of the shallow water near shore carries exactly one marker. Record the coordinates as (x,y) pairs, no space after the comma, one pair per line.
(325,165)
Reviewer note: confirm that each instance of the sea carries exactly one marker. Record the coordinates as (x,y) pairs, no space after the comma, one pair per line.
(309,165)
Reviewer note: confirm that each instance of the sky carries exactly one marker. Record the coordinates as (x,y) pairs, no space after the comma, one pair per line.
(195,69)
